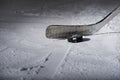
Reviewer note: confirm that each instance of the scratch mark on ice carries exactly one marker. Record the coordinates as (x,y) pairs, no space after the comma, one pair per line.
(42,66)
(37,67)
(66,54)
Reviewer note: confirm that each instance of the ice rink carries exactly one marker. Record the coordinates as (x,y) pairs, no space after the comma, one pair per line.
(26,53)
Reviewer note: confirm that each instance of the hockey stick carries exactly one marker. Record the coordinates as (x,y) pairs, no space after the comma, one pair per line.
(74,33)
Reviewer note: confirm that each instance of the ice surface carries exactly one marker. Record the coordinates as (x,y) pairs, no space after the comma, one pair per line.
(26,54)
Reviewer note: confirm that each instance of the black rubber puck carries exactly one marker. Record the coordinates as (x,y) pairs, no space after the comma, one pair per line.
(75,39)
